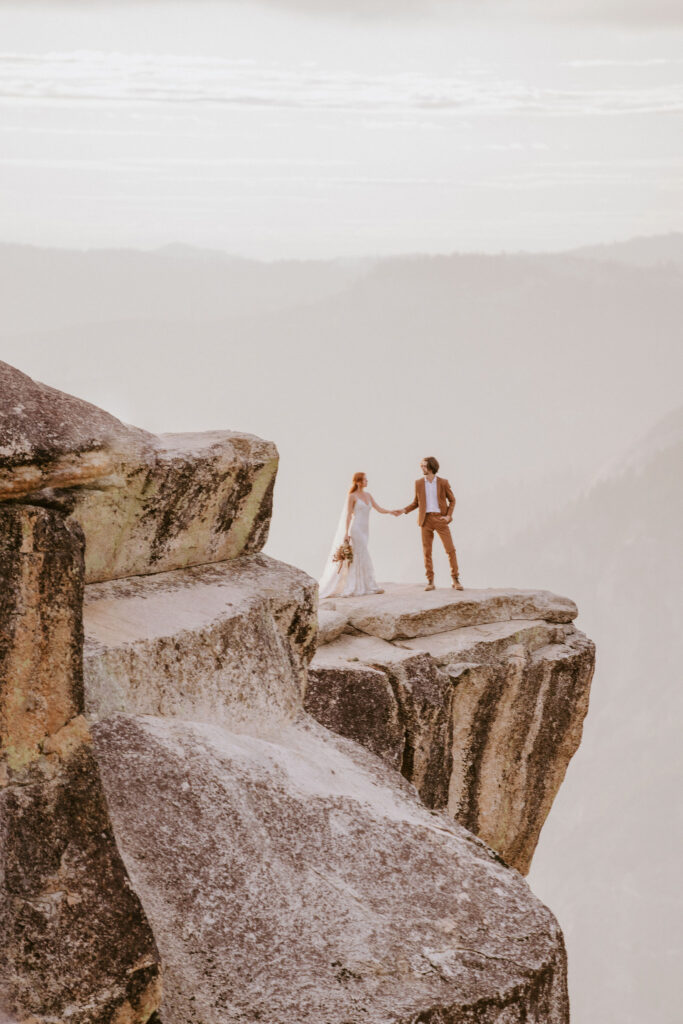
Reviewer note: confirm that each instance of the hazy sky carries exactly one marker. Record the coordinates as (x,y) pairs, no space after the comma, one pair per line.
(300,129)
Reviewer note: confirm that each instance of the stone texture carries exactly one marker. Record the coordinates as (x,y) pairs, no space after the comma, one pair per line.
(407,611)
(225,643)
(192,499)
(482,719)
(146,503)
(289,875)
(331,624)
(74,942)
(41,596)
(51,439)
(293,879)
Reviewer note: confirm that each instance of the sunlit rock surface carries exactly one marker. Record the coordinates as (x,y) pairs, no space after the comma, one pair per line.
(292,878)
(146,503)
(289,875)
(482,716)
(214,854)
(227,643)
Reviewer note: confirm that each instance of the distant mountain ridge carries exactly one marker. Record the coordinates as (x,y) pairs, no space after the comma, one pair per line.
(45,289)
(642,251)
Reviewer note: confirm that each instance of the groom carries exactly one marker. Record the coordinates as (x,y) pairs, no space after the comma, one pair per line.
(435,502)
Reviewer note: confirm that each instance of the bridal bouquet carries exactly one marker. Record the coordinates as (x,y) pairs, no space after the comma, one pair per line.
(344,553)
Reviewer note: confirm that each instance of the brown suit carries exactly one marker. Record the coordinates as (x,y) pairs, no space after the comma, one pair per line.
(432,523)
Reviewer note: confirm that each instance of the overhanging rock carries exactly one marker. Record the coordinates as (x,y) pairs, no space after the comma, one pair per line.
(483,715)
(145,503)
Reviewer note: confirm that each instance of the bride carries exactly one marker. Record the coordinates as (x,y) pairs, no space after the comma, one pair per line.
(358,577)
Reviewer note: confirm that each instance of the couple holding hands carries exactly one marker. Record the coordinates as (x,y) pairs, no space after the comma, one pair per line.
(349,571)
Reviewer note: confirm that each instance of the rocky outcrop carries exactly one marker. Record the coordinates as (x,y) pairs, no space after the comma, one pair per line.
(145,503)
(74,941)
(52,440)
(219,643)
(478,698)
(292,879)
(279,872)
(286,862)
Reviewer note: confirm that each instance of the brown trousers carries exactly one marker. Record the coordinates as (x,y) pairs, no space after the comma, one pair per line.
(437,524)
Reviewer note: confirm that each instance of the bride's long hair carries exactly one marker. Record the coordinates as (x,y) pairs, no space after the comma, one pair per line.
(355,483)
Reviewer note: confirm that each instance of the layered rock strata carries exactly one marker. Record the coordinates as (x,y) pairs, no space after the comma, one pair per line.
(287,874)
(224,643)
(74,941)
(293,877)
(145,503)
(478,698)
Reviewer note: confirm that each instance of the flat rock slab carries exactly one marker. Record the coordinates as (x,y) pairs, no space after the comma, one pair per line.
(292,879)
(228,642)
(483,719)
(486,641)
(406,610)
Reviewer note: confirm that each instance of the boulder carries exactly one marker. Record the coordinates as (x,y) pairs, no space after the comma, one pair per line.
(190,499)
(51,439)
(225,643)
(483,719)
(146,503)
(74,941)
(293,879)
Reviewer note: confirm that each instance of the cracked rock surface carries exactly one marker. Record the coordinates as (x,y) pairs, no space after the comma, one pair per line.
(145,503)
(292,879)
(75,944)
(482,717)
(289,875)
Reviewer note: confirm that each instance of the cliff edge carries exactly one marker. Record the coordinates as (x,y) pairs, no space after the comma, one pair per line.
(180,840)
(477,697)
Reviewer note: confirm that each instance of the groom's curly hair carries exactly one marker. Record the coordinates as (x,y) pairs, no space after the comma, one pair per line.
(432,463)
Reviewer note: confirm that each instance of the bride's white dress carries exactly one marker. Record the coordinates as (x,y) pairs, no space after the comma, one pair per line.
(358,578)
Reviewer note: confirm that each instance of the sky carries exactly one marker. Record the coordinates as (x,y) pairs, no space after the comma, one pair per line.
(283,129)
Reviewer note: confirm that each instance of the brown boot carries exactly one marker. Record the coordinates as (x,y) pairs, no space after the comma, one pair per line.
(457,585)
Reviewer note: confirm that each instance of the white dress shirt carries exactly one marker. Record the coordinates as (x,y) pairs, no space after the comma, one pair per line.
(431,496)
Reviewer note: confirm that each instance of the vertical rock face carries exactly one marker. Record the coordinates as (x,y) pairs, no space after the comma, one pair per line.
(74,940)
(482,694)
(41,598)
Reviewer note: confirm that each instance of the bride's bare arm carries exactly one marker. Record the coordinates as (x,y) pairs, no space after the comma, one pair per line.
(384,511)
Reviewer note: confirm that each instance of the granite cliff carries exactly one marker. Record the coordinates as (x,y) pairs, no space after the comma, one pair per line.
(478,698)
(180,841)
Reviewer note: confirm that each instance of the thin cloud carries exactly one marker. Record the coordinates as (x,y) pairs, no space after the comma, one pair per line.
(637,12)
(114,79)
(625,11)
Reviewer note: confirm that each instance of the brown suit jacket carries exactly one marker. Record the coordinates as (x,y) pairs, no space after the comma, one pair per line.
(444,495)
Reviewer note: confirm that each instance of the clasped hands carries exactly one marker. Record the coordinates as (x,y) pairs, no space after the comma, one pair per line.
(401,511)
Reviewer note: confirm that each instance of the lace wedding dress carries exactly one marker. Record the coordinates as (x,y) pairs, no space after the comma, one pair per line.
(358,578)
